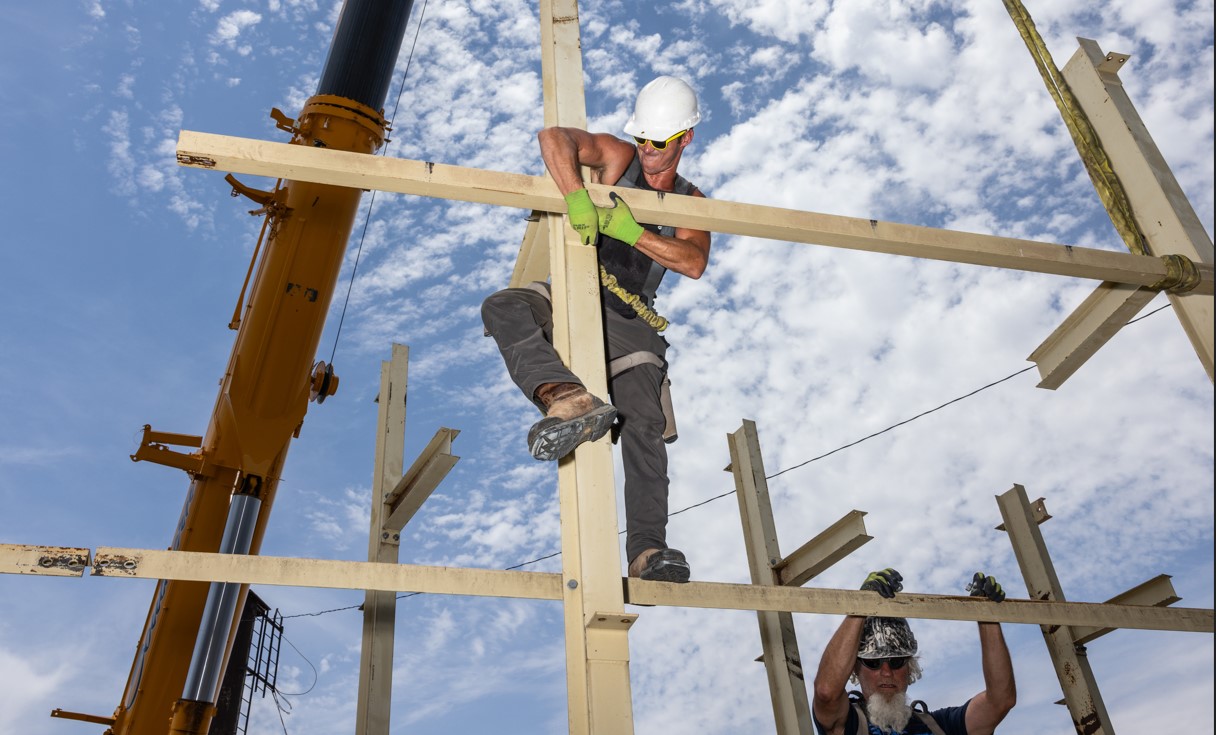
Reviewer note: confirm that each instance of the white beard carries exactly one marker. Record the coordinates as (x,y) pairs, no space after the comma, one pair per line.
(889,712)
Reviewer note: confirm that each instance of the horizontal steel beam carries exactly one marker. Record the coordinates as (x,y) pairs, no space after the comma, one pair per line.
(348,575)
(271,570)
(933,607)
(53,561)
(424,178)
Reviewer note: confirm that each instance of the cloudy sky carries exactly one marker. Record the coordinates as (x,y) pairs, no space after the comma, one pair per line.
(122,270)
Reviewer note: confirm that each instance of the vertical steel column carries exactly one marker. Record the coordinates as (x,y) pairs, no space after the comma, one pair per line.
(782,661)
(1081,694)
(379,607)
(1158,203)
(597,642)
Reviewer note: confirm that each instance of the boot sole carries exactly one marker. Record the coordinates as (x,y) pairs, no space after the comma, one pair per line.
(552,438)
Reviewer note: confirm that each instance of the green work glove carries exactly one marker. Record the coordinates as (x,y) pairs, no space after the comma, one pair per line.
(617,221)
(583,217)
(885,582)
(985,586)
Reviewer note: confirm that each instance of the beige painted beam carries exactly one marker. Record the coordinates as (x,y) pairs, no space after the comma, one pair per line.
(1158,592)
(828,547)
(533,261)
(599,700)
(1081,693)
(345,575)
(374,703)
(1159,206)
(43,561)
(930,607)
(290,572)
(782,660)
(1086,329)
(243,155)
(1038,513)
(420,480)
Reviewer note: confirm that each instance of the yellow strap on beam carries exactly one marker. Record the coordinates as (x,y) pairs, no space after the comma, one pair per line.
(1093,155)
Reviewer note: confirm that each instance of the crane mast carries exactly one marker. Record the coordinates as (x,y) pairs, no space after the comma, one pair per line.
(266,387)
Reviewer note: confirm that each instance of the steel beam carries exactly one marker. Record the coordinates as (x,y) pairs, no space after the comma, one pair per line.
(830,546)
(200,566)
(1081,693)
(782,660)
(1158,592)
(1159,206)
(420,480)
(290,572)
(380,607)
(43,561)
(424,178)
(533,261)
(1086,329)
(596,624)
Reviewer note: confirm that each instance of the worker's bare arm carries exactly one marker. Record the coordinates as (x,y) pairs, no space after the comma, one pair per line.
(831,702)
(686,253)
(566,150)
(989,707)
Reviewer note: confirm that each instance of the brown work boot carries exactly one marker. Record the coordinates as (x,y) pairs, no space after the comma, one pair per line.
(572,416)
(660,565)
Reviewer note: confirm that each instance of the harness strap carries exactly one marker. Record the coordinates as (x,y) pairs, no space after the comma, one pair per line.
(924,717)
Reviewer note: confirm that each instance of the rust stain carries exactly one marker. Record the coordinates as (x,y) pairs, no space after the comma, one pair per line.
(185,159)
(115,565)
(73,562)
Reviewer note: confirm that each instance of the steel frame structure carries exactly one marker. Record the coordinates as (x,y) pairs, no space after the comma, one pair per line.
(589,587)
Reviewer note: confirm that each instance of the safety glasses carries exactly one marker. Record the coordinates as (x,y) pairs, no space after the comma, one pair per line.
(895,662)
(658,145)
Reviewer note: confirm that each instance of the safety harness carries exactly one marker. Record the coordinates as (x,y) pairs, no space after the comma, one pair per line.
(629,275)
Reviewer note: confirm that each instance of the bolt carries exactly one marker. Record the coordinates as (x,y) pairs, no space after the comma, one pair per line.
(572,584)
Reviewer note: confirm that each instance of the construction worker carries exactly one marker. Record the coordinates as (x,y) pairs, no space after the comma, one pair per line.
(633,258)
(879,654)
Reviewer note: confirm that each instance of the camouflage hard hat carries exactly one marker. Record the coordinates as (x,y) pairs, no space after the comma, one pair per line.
(886,637)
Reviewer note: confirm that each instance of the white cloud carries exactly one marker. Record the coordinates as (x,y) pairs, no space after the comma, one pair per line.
(230,28)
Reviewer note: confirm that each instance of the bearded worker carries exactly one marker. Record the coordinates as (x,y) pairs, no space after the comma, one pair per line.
(633,259)
(879,654)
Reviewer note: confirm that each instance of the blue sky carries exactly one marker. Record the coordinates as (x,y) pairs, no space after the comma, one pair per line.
(122,271)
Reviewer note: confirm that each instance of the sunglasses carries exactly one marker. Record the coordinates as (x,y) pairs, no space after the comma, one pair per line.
(895,662)
(658,145)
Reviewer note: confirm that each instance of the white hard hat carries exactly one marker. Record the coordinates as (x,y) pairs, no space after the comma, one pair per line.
(664,107)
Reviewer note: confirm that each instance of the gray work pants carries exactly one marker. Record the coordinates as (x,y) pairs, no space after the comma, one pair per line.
(521,321)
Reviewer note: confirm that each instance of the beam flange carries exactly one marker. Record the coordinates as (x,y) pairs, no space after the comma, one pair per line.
(420,480)
(1158,592)
(828,547)
(1103,313)
(424,178)
(533,261)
